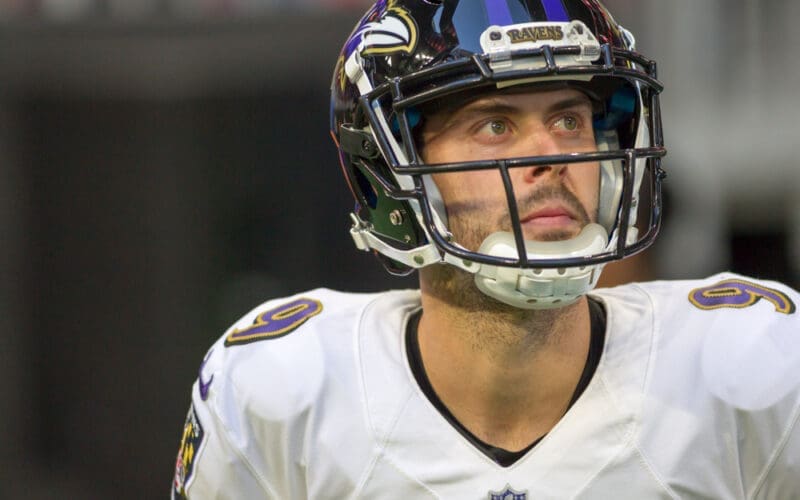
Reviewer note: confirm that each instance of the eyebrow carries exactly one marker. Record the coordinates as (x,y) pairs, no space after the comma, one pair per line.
(496,105)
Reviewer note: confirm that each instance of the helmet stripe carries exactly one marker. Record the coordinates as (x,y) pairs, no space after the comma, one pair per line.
(554,9)
(498,12)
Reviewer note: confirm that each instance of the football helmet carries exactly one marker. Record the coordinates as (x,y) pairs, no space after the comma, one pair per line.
(406,57)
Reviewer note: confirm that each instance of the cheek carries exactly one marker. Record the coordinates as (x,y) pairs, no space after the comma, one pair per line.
(587,186)
(461,188)
(454,147)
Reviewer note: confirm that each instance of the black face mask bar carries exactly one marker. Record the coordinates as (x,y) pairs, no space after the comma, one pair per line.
(474,73)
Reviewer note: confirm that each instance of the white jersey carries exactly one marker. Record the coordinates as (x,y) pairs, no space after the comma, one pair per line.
(696,395)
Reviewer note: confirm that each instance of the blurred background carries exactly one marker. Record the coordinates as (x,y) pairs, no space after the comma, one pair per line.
(165,166)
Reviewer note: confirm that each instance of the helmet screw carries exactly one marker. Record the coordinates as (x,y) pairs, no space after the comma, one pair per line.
(396,217)
(367,146)
(495,36)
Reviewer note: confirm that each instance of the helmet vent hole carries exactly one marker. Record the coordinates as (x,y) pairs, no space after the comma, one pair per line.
(562,271)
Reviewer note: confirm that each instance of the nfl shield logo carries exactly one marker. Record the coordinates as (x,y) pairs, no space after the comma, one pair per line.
(508,494)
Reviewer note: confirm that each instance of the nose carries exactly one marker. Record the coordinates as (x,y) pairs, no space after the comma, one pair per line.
(546,147)
(543,144)
(538,173)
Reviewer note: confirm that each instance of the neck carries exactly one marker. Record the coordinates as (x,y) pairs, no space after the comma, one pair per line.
(522,366)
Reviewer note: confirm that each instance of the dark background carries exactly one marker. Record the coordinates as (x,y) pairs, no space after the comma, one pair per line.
(163,174)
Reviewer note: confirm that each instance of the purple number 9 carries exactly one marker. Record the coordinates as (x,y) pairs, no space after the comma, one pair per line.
(739,294)
(276,322)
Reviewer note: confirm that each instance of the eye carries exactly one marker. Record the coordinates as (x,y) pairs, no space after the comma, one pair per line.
(498,127)
(492,130)
(568,123)
(492,127)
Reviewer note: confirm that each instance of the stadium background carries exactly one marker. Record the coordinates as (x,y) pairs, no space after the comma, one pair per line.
(165,166)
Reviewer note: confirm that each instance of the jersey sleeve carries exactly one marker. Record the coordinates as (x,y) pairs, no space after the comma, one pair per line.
(255,390)
(727,366)
(210,464)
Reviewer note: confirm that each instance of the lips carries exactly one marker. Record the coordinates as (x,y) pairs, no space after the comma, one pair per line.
(550,216)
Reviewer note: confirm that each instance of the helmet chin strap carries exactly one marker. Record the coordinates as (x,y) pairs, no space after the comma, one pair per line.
(543,288)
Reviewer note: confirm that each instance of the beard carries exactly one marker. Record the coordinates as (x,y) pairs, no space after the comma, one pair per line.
(499,324)
(470,226)
(496,323)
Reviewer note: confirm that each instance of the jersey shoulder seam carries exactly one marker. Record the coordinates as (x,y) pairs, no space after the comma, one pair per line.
(768,466)
(262,481)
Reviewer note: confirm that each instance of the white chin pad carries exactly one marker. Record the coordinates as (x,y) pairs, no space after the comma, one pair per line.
(592,239)
(546,287)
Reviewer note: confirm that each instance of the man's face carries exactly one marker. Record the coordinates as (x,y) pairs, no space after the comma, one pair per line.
(554,202)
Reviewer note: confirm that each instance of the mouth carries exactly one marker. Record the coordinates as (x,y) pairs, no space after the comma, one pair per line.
(550,217)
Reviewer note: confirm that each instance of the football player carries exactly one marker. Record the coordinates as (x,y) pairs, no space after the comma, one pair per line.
(507,150)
